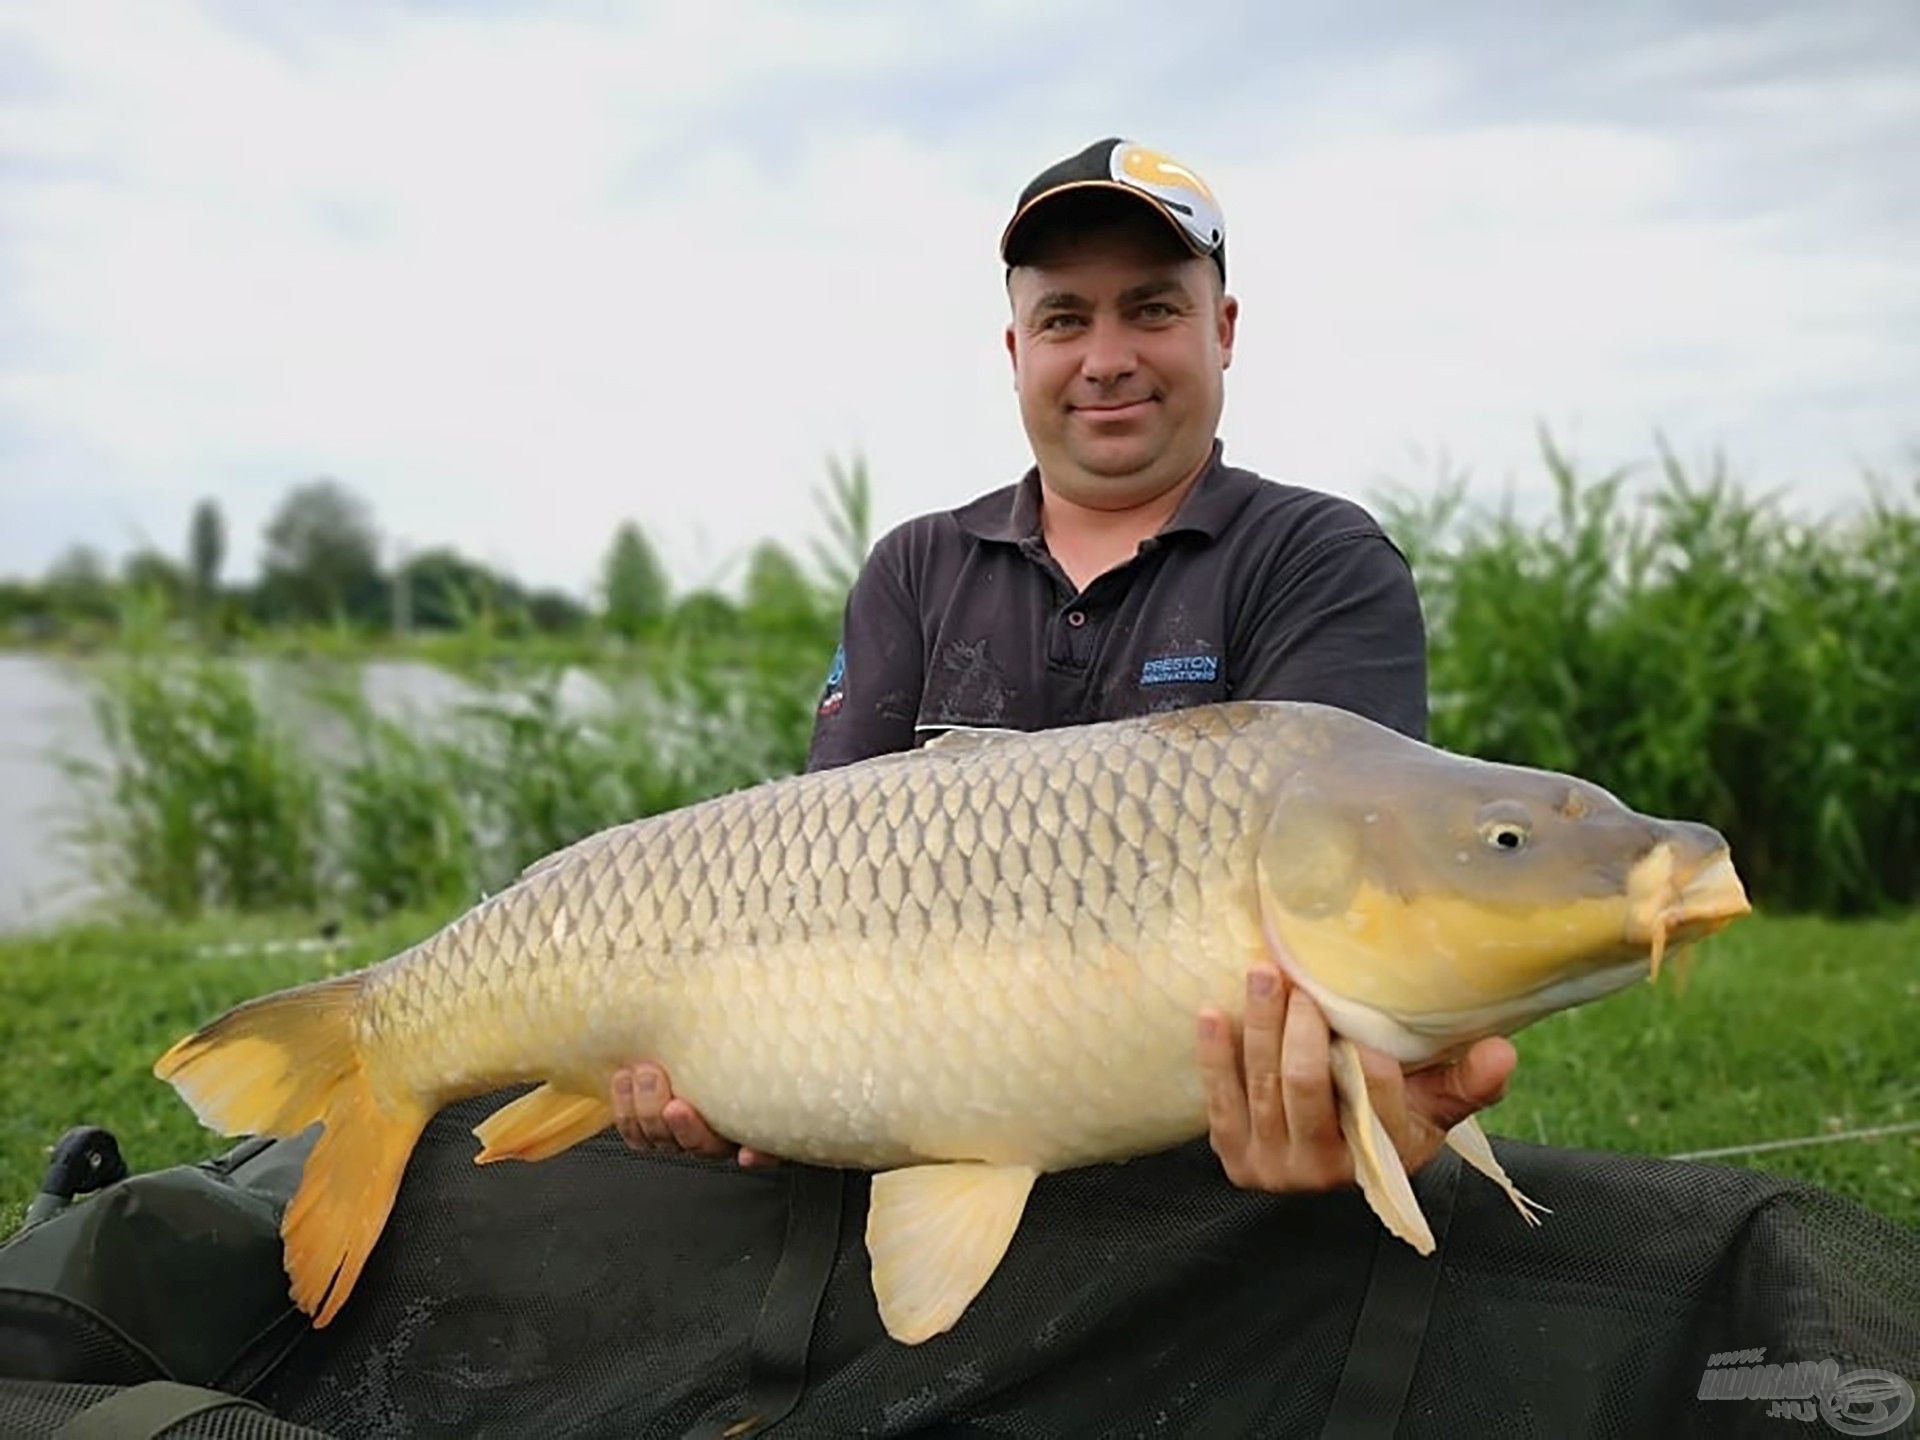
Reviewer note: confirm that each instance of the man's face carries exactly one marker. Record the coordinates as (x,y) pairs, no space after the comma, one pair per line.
(1119,350)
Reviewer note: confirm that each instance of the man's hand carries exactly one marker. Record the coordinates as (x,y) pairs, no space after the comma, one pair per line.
(1271,1110)
(650,1117)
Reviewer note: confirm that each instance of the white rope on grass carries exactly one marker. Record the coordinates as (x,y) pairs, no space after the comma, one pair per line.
(266,947)
(1873,1132)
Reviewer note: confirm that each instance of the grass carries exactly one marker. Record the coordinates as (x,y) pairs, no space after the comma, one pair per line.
(1783,1027)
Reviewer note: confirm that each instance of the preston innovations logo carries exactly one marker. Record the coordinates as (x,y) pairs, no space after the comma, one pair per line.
(1860,1402)
(1181,670)
(833,694)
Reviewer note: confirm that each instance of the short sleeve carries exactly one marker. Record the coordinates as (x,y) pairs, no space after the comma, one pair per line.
(1341,625)
(871,696)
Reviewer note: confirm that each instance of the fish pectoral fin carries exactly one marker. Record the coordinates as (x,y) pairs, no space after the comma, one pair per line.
(540,1124)
(1473,1146)
(1376,1164)
(936,1233)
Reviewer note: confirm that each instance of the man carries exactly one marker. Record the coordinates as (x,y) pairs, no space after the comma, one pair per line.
(1132,570)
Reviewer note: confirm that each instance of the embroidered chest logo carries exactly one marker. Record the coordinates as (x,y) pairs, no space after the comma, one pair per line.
(1181,670)
(833,695)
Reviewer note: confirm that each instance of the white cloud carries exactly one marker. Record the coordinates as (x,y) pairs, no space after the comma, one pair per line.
(518,277)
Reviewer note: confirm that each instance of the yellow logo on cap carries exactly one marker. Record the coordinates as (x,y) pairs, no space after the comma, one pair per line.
(1150,167)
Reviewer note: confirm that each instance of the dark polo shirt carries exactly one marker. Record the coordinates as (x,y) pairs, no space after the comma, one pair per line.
(1253,590)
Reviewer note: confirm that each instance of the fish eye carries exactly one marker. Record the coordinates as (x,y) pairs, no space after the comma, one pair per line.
(1505,834)
(1505,825)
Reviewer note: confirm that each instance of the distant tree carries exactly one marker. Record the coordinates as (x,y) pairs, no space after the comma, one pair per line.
(322,556)
(635,583)
(78,583)
(704,614)
(447,591)
(555,612)
(153,573)
(206,550)
(777,589)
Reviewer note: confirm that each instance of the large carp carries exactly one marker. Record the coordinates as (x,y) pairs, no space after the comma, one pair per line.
(970,964)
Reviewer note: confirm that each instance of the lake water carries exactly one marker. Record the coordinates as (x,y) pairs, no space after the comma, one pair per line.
(46,719)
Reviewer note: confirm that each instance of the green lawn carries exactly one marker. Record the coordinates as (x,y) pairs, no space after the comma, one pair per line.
(1781,1028)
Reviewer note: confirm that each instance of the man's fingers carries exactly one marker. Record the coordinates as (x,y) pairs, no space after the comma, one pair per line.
(1260,1049)
(690,1130)
(1306,1077)
(1226,1096)
(649,1091)
(1387,1089)
(1449,1094)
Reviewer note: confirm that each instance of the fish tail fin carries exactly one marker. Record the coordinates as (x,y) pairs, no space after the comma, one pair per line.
(275,1066)
(1376,1164)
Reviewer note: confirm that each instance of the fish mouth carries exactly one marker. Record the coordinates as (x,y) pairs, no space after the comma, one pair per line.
(1681,891)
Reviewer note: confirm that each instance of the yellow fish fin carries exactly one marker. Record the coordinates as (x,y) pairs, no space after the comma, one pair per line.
(540,1124)
(275,1066)
(1473,1146)
(1376,1164)
(936,1233)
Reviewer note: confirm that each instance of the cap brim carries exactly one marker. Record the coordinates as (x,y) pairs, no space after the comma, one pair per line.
(1025,212)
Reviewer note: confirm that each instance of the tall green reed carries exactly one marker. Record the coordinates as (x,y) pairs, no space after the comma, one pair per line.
(204,799)
(1702,653)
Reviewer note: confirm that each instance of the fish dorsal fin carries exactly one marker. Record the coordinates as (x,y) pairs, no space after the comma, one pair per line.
(1470,1141)
(1376,1164)
(958,739)
(936,1233)
(540,1124)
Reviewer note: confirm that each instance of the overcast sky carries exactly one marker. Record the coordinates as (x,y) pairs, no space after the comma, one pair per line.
(515,272)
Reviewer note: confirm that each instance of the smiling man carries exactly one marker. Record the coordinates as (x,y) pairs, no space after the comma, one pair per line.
(1132,570)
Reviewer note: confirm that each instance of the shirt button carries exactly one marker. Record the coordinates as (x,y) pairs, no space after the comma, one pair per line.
(1076,618)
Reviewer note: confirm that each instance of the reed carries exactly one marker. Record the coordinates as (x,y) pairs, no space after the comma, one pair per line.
(1699,651)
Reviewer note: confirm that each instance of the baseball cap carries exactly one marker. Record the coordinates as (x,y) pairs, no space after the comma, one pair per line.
(1174,192)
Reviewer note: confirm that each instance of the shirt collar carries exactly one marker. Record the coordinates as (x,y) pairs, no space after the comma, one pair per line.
(1012,514)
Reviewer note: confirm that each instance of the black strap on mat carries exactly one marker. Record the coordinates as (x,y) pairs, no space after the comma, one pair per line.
(144,1411)
(1393,1320)
(777,1368)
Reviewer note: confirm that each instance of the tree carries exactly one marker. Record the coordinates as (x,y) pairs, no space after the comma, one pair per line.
(322,555)
(447,591)
(155,574)
(777,589)
(77,583)
(554,612)
(636,587)
(206,550)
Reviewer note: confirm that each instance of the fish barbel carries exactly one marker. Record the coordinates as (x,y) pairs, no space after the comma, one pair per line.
(970,964)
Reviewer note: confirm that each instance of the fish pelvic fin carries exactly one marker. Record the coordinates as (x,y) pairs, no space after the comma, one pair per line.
(1472,1145)
(275,1066)
(540,1124)
(1376,1164)
(936,1234)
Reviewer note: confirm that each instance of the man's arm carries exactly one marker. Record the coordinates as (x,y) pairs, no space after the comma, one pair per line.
(871,698)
